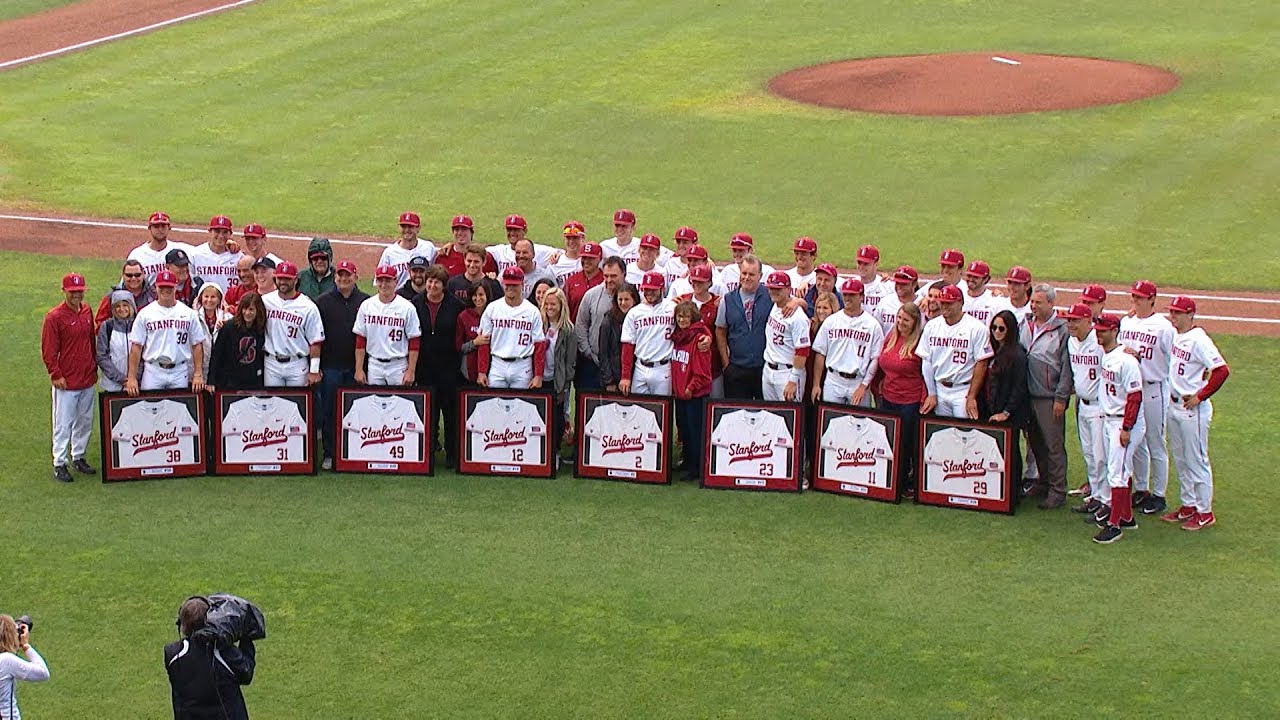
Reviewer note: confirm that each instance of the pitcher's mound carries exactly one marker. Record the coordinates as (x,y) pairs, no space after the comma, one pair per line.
(988,83)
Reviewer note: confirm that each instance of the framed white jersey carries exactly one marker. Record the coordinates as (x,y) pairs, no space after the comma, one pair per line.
(624,439)
(855,452)
(268,433)
(505,432)
(965,465)
(753,446)
(155,434)
(382,431)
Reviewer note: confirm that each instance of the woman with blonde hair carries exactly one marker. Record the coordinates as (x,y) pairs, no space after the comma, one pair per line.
(901,388)
(561,364)
(208,307)
(16,638)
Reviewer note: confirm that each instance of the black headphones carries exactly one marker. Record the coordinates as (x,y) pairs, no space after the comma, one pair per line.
(177,620)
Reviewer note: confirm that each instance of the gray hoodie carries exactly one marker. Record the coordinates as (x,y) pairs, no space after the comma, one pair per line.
(112,346)
(1048,359)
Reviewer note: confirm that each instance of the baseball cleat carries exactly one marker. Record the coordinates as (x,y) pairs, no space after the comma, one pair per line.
(1088,508)
(1139,497)
(1109,534)
(1199,522)
(1082,491)
(1180,515)
(1100,517)
(1153,505)
(81,466)
(61,474)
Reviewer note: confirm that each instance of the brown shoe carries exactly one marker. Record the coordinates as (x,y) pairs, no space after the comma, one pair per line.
(1052,501)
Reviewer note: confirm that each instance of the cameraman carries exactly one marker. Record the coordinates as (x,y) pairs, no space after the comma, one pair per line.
(15,637)
(206,676)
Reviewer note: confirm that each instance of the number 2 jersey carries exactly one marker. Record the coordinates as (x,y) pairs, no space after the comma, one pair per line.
(751,444)
(263,429)
(154,433)
(624,437)
(383,428)
(856,450)
(505,430)
(964,462)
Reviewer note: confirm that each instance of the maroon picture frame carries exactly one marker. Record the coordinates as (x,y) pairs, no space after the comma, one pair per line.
(267,437)
(165,443)
(760,467)
(385,439)
(502,448)
(589,450)
(962,480)
(867,455)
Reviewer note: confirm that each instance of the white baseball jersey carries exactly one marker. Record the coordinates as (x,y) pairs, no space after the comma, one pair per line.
(683,288)
(648,328)
(635,273)
(1086,363)
(783,336)
(1121,375)
(504,256)
(984,307)
(673,270)
(531,278)
(398,258)
(563,268)
(850,344)
(154,433)
(292,325)
(951,352)
(153,260)
(506,430)
(800,282)
(512,331)
(856,450)
(383,428)
(1023,314)
(731,274)
(1152,338)
(886,312)
(264,429)
(752,444)
(1193,356)
(967,463)
(610,247)
(167,332)
(387,328)
(215,267)
(624,437)
(873,293)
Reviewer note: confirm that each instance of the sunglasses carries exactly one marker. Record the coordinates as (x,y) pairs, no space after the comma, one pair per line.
(1001,328)
(133,275)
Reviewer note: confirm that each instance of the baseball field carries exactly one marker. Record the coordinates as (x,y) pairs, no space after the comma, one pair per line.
(475,597)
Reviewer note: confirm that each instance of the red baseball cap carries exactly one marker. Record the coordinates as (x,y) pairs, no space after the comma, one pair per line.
(684,232)
(701,273)
(573,228)
(286,269)
(72,281)
(652,281)
(164,278)
(408,218)
(1018,274)
(158,218)
(905,275)
(868,253)
(1106,322)
(804,243)
(852,286)
(513,276)
(827,268)
(1079,311)
(1094,293)
(778,280)
(696,252)
(591,250)
(950,294)
(649,240)
(1144,288)
(951,257)
(462,221)
(979,269)
(254,230)
(515,222)
(345,266)
(219,222)
(741,240)
(624,215)
(1182,304)
(384,271)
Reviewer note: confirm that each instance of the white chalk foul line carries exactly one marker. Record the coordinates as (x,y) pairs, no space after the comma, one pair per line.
(1005,60)
(117,36)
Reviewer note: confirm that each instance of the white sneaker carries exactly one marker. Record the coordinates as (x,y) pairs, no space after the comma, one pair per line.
(327,464)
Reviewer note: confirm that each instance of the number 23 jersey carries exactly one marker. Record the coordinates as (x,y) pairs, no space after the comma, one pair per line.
(263,429)
(751,444)
(505,430)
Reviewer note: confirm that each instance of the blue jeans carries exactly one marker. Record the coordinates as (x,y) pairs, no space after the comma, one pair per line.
(689,420)
(909,444)
(326,396)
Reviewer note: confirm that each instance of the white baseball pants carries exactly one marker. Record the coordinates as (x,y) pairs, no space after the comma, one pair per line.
(952,400)
(654,380)
(387,373)
(1119,458)
(773,382)
(515,374)
(155,377)
(1151,459)
(1189,443)
(72,422)
(837,389)
(1093,446)
(286,374)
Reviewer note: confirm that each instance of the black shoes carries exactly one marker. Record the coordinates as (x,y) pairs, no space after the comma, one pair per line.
(62,474)
(81,466)
(1109,534)
(1139,497)
(1154,504)
(1088,508)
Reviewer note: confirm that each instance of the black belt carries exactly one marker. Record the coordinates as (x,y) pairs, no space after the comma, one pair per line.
(387,360)
(1175,398)
(166,365)
(778,366)
(845,375)
(511,359)
(1115,415)
(1152,382)
(949,384)
(657,363)
(286,358)
(1086,402)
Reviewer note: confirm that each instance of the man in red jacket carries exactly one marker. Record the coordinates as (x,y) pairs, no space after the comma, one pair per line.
(66,346)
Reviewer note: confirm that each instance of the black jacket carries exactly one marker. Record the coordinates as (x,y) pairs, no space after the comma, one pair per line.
(1006,391)
(204,686)
(235,361)
(610,344)
(338,315)
(439,362)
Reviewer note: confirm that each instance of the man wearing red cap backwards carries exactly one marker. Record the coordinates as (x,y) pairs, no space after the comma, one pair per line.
(150,254)
(1196,372)
(515,355)
(409,246)
(953,353)
(294,334)
(1121,403)
(1148,336)
(215,261)
(453,257)
(1086,364)
(66,347)
(740,246)
(646,341)
(169,338)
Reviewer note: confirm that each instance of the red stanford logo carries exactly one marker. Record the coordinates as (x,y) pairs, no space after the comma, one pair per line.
(384,434)
(749,451)
(503,438)
(962,469)
(263,438)
(854,458)
(623,444)
(154,441)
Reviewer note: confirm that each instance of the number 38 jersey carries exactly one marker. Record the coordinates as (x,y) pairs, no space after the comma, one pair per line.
(505,430)
(154,433)
(167,333)
(964,462)
(383,428)
(267,429)
(388,327)
(752,444)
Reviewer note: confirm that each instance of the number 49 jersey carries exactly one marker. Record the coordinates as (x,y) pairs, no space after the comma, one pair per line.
(752,444)
(154,433)
(383,428)
(267,429)
(505,430)
(964,462)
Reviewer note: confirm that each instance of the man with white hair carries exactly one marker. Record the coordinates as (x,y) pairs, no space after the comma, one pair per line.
(1049,382)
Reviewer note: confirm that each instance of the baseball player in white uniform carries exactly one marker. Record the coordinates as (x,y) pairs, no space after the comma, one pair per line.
(516,353)
(953,348)
(848,346)
(504,256)
(786,345)
(647,259)
(622,244)
(169,337)
(387,333)
(1121,400)
(1196,372)
(1148,336)
(646,341)
(409,246)
(874,287)
(151,253)
(740,245)
(1094,296)
(950,269)
(979,301)
(805,252)
(214,261)
(1086,363)
(904,291)
(294,333)
(682,287)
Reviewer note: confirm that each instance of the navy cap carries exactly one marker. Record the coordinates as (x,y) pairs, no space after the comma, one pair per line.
(177,256)
(265,262)
(419,262)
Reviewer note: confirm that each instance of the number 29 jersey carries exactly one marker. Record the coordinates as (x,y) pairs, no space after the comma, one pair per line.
(964,462)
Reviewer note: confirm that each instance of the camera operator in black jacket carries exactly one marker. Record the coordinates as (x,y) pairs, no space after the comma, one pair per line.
(205,675)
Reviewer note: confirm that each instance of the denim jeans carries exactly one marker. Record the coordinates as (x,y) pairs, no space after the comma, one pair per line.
(909,445)
(326,395)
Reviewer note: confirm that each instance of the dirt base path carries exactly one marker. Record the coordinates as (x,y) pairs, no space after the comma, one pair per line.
(1238,313)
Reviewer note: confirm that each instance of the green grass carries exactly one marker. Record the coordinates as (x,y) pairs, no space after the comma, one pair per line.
(17,8)
(568,109)
(475,597)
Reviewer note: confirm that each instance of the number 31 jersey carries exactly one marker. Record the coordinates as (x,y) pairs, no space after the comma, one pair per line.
(263,429)
(505,430)
(383,428)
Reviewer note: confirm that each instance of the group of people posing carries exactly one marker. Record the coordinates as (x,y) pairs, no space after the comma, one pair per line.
(631,315)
